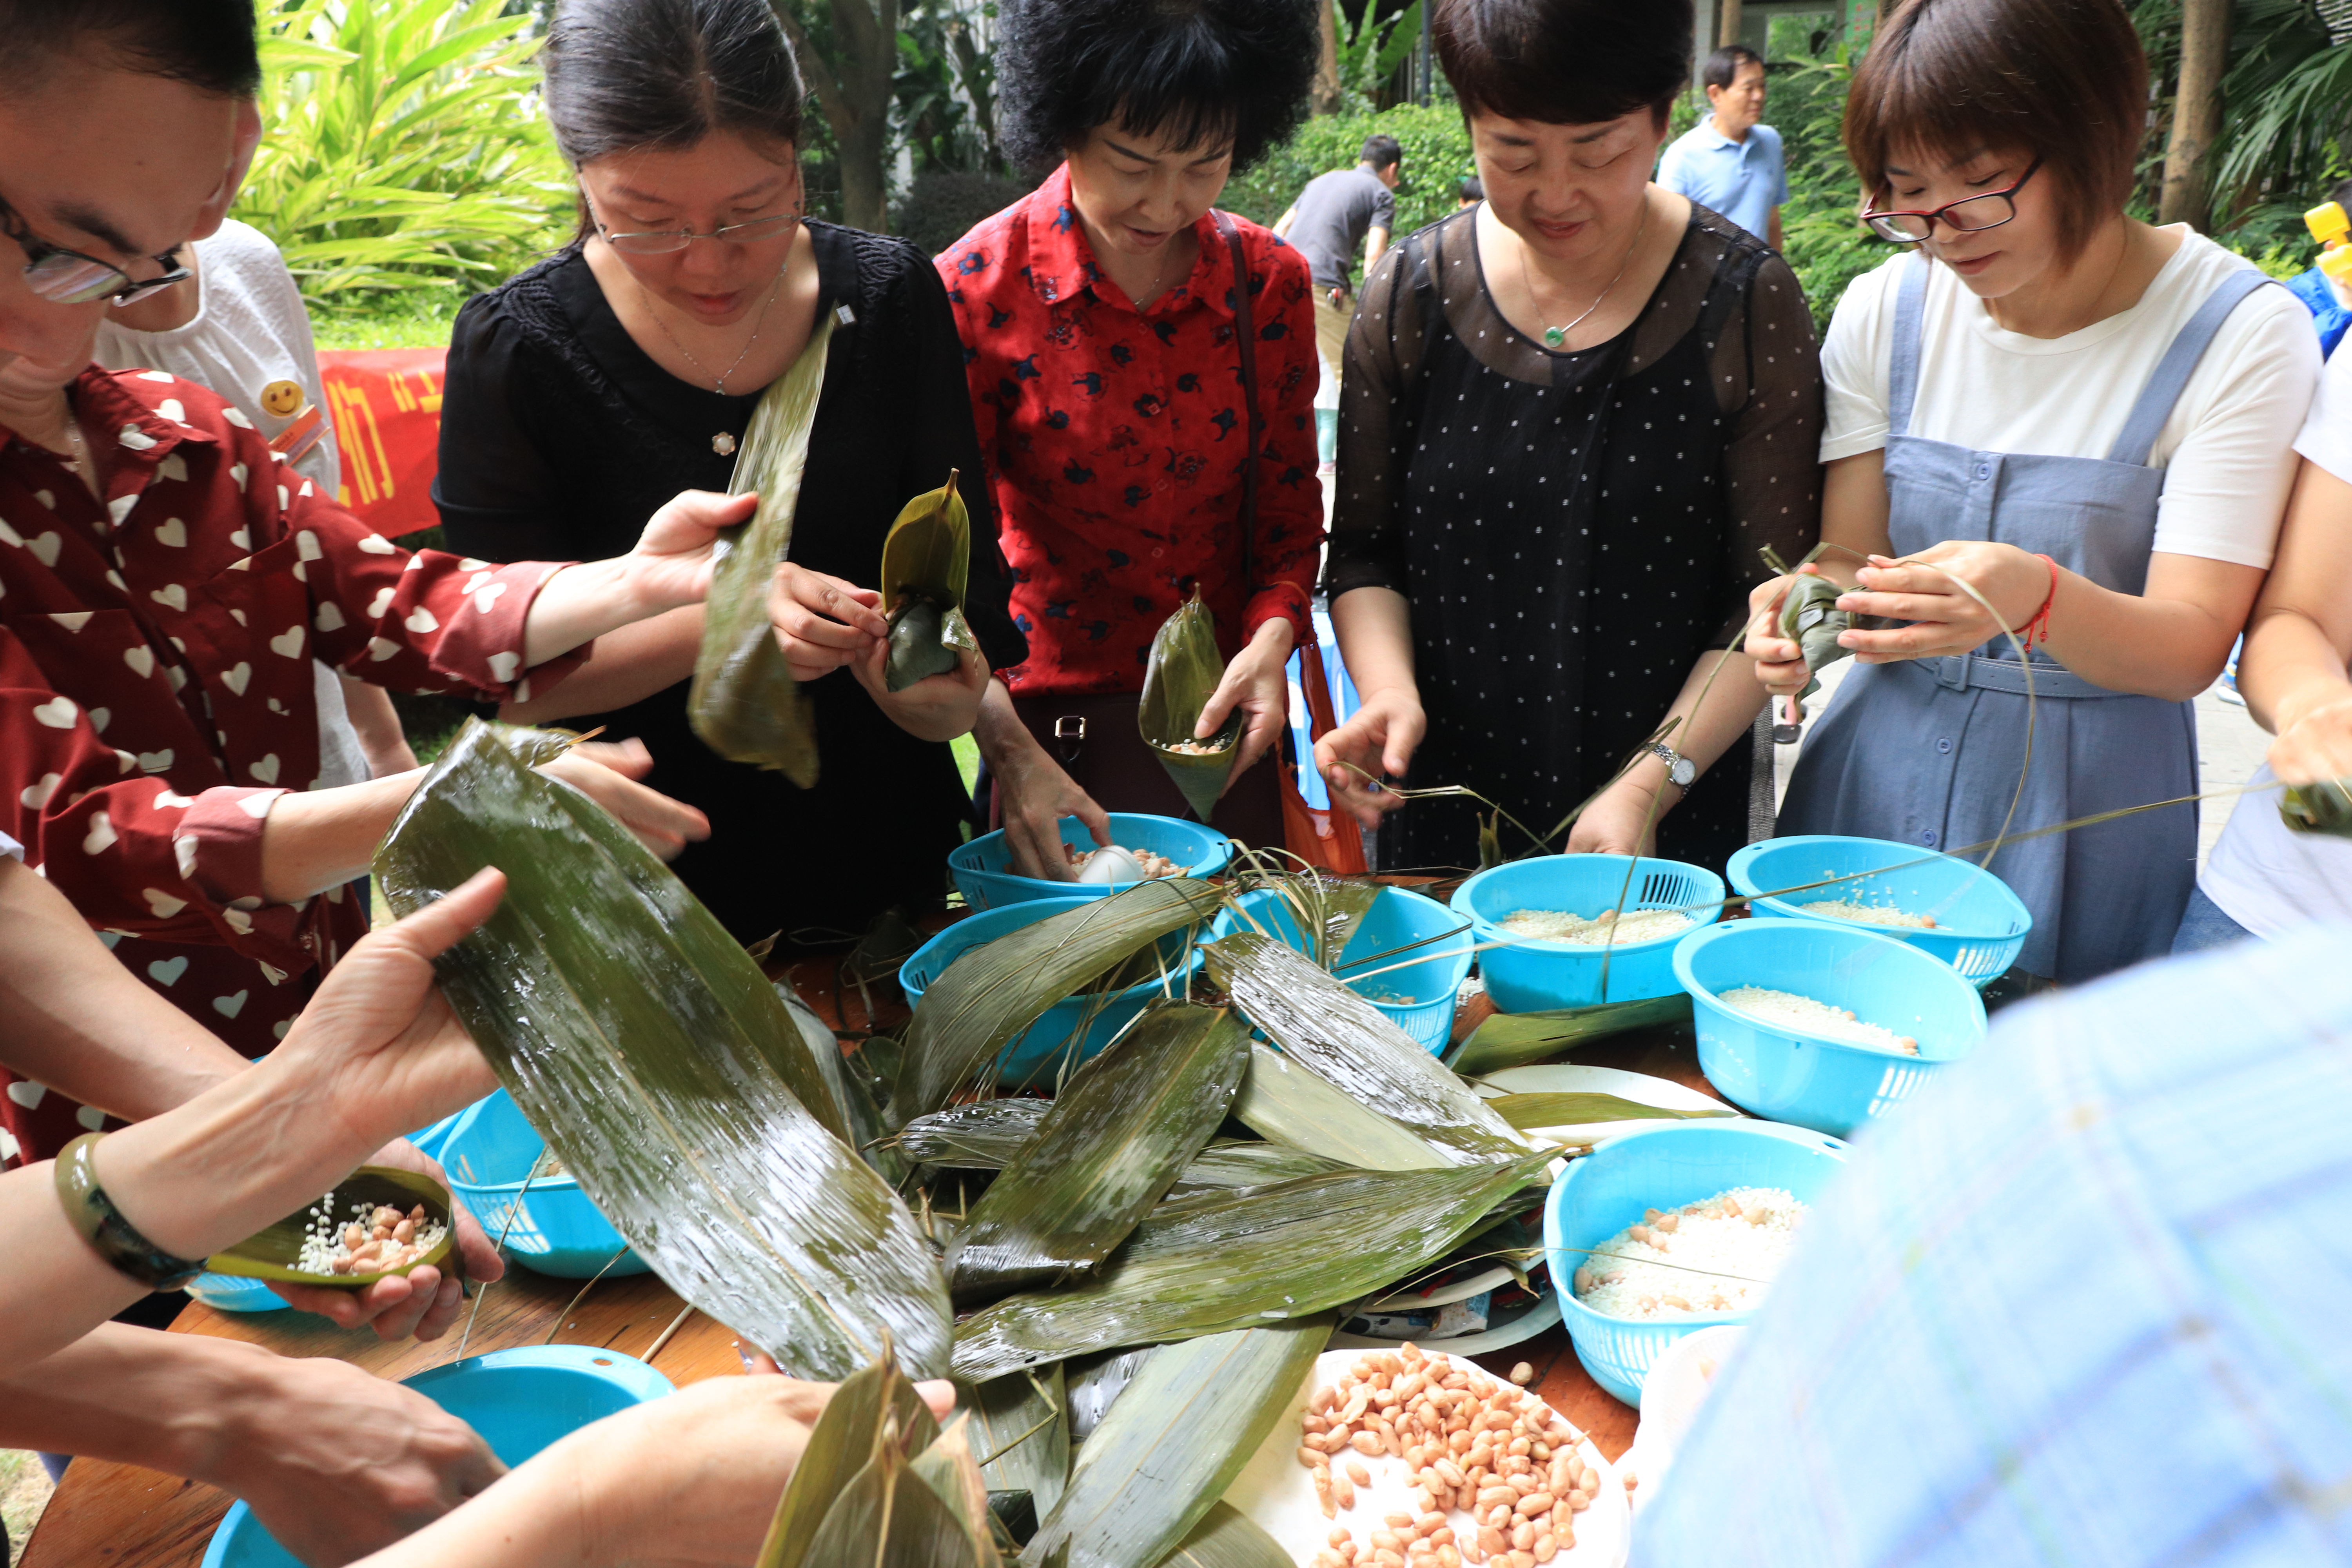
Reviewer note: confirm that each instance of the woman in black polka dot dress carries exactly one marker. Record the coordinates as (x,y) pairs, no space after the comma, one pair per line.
(1570,417)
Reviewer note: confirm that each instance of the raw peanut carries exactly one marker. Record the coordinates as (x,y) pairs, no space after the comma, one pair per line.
(1448,1557)
(1387,1560)
(1358,1403)
(1669,1223)
(1638,1233)
(1731,1207)
(1385,1398)
(1514,1465)
(1457,1435)
(417,1213)
(1358,1474)
(1323,1401)
(1334,1440)
(1366,1443)
(1523,1374)
(1314,1425)
(1490,1540)
(1493,1495)
(353,1235)
(1632,1480)
(1387,1540)
(1345,1490)
(1415,1458)
(1539,1450)
(1421,1498)
(1324,1495)
(1411,1384)
(1545,1548)
(1449,1472)
(1533,1504)
(1589,1481)
(1499,1515)
(1565,1537)
(1328,1560)
(340,1266)
(1455,1380)
(1313,1458)
(1397,1521)
(1473,1552)
(1338,1536)
(1348,1553)
(1429,1522)
(1520,1447)
(1523,1535)
(1520,1484)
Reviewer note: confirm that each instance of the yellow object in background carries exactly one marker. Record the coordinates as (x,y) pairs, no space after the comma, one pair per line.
(2331,227)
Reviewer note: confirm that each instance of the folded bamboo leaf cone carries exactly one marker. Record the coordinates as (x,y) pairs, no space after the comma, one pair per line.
(1180,676)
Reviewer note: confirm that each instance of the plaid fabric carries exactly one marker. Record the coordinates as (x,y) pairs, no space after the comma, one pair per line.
(2089,1303)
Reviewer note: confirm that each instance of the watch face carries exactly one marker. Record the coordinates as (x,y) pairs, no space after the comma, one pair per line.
(1683,770)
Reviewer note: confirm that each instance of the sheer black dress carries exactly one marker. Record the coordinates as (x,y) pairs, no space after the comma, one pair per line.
(559,437)
(1573,531)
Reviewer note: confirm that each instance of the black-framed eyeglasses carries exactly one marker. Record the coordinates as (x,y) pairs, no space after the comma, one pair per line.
(1967,216)
(669,241)
(68,278)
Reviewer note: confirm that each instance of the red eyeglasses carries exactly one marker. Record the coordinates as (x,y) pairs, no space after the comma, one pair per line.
(1967,216)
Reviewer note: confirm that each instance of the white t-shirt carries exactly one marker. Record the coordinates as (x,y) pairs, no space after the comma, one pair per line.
(250,330)
(2265,876)
(2225,448)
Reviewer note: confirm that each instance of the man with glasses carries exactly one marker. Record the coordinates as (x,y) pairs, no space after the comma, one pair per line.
(1730,162)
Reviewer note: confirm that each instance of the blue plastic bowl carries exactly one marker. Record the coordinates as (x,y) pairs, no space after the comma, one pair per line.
(1831,1086)
(556,1230)
(1606,1191)
(1036,1054)
(1418,999)
(235,1293)
(979,866)
(519,1400)
(1530,976)
(1980,926)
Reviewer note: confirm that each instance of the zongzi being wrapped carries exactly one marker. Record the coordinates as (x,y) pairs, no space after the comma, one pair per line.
(1179,676)
(926,559)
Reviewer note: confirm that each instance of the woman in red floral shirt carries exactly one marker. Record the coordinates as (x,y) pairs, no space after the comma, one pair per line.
(165,582)
(1099,321)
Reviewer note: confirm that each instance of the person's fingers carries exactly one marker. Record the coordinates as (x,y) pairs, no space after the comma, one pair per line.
(1403,738)
(399,1319)
(448,919)
(1082,806)
(691,519)
(477,1253)
(627,758)
(1895,607)
(816,597)
(939,1394)
(1220,703)
(449,1300)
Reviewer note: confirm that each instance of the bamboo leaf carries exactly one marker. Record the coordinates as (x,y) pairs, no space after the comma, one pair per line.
(1167,1451)
(993,993)
(1116,1138)
(983,1135)
(1233,1163)
(648,1049)
(1513,1040)
(1180,676)
(926,561)
(947,1467)
(849,1432)
(744,702)
(1349,1044)
(1022,1424)
(1209,1266)
(1290,1106)
(890,1517)
(1525,1111)
(845,1091)
(1228,1538)
(1095,1383)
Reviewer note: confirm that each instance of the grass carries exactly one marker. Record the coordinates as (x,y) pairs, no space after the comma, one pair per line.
(411,318)
(24,1492)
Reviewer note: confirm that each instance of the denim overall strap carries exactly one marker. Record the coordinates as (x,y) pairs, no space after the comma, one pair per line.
(2179,363)
(1903,366)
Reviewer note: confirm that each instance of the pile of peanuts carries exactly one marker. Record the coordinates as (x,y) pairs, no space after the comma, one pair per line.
(1472,1443)
(384,1239)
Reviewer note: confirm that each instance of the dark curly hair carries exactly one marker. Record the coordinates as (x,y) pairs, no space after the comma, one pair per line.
(1196,69)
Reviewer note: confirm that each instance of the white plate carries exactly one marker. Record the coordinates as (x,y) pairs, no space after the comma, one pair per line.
(1278,1494)
(1678,1382)
(1568,1078)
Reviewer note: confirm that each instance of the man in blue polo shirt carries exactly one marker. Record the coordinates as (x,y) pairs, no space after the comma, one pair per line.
(1728,161)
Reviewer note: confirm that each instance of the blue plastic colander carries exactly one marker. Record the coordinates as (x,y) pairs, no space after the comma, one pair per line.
(979,866)
(1036,1054)
(519,1400)
(554,1229)
(1980,926)
(1664,1168)
(1418,999)
(1775,1072)
(1529,976)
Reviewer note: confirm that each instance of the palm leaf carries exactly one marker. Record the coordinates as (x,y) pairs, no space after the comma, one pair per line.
(658,1060)
(274,1253)
(1116,1137)
(926,561)
(1290,1106)
(1173,1443)
(1180,676)
(1228,1538)
(1348,1043)
(744,702)
(1021,1424)
(1525,1111)
(993,993)
(1513,1040)
(1209,1266)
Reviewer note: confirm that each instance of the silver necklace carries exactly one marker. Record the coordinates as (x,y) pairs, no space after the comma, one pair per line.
(1156,277)
(1554,337)
(718,383)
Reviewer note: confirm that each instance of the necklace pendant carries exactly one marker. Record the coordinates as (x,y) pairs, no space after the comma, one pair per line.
(723,444)
(1555,336)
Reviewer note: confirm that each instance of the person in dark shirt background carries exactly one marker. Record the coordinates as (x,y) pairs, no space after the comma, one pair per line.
(1335,216)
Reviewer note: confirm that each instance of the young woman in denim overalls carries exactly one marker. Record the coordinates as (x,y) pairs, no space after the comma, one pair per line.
(2085,419)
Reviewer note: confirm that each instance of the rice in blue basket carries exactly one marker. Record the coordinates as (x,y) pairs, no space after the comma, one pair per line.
(1717,1255)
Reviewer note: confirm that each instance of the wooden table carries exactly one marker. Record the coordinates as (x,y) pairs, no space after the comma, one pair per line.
(126,1516)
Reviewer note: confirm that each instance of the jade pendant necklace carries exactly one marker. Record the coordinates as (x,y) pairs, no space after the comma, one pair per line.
(1554,337)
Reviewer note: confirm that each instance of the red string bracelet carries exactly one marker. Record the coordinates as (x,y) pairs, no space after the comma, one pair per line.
(2037,627)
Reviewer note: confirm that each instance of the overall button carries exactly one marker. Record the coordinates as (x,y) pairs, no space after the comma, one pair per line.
(1984,471)
(1944,746)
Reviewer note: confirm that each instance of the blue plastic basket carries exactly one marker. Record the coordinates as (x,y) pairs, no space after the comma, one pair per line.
(1607,1190)
(1529,976)
(1980,926)
(519,1400)
(555,1229)
(432,1140)
(235,1293)
(979,866)
(1813,1082)
(1036,1054)
(1425,992)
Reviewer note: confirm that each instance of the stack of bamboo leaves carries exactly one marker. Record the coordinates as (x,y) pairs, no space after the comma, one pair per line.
(1146,1262)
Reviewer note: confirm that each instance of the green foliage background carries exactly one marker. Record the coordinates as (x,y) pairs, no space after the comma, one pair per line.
(1437,157)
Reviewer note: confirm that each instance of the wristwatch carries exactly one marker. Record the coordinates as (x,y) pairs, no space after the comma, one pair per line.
(1680,769)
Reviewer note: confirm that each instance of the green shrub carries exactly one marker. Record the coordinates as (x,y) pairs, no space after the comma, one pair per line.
(401,146)
(1437,157)
(943,204)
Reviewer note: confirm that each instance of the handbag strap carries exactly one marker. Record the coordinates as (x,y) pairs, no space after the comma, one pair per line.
(1245,329)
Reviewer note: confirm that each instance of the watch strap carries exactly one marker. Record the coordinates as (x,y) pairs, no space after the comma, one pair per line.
(98,1222)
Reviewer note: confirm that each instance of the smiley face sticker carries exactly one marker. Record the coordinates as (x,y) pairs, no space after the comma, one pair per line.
(283,399)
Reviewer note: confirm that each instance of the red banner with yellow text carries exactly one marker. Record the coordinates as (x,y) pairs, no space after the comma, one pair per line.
(385,405)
